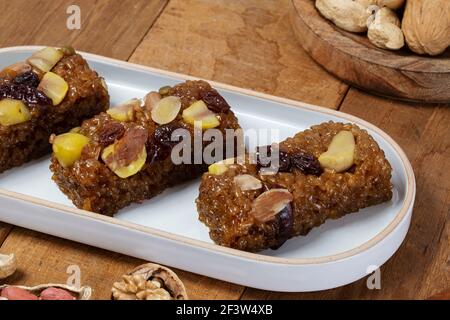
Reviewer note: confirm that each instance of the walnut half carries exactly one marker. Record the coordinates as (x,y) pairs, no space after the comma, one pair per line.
(149,282)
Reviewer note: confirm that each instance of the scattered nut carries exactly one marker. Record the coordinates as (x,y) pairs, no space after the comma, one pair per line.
(391,4)
(127,156)
(149,282)
(270,203)
(125,111)
(56,294)
(220,167)
(68,50)
(15,293)
(384,30)
(151,100)
(12,71)
(346,14)
(54,87)
(45,59)
(247,182)
(340,154)
(8,265)
(199,112)
(49,291)
(426,25)
(166,110)
(13,112)
(164,91)
(67,147)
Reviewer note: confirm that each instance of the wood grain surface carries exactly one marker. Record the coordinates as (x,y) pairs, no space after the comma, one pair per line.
(111,28)
(353,58)
(248,43)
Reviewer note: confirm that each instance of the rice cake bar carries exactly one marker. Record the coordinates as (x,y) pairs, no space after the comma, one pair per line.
(52,92)
(325,172)
(123,156)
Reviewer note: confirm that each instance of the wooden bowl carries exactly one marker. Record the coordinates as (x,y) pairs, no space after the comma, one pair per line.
(351,57)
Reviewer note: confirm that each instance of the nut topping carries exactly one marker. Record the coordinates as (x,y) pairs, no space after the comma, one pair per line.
(151,99)
(164,91)
(127,156)
(67,147)
(166,110)
(247,182)
(220,167)
(45,59)
(149,282)
(54,87)
(8,265)
(13,112)
(125,111)
(199,112)
(15,70)
(270,203)
(340,154)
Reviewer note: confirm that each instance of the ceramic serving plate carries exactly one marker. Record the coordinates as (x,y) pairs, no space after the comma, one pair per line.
(166,230)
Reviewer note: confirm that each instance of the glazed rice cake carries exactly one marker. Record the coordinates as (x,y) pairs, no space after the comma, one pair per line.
(123,156)
(325,172)
(52,92)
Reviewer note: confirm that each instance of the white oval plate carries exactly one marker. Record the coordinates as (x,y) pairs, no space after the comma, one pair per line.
(165,229)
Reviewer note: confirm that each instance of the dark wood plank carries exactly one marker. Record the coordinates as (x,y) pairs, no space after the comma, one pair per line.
(248,44)
(110,28)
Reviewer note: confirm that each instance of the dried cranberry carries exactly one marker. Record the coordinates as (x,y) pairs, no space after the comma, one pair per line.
(159,146)
(28,79)
(156,152)
(27,94)
(306,163)
(285,219)
(214,101)
(284,163)
(163,134)
(110,133)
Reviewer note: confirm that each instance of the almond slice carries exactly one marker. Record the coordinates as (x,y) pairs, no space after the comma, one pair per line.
(54,87)
(125,111)
(45,59)
(199,112)
(270,203)
(166,110)
(220,167)
(15,69)
(247,182)
(151,100)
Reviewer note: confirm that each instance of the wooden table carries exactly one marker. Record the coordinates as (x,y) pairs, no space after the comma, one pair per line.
(246,43)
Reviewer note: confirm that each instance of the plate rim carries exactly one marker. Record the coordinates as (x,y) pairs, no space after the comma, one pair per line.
(407,204)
